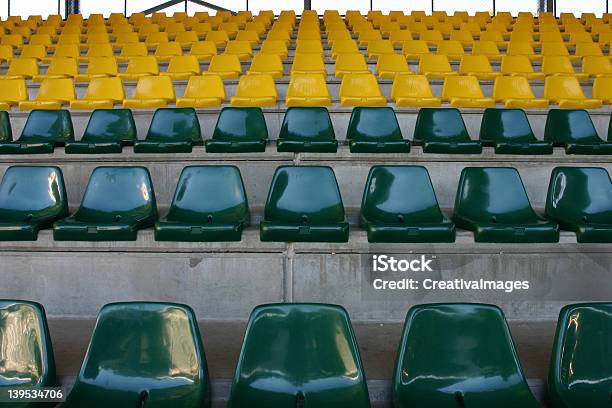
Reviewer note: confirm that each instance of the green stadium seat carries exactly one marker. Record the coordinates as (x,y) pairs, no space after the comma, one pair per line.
(580,200)
(375,130)
(459,355)
(118,201)
(319,365)
(6,130)
(492,203)
(172,130)
(239,130)
(574,130)
(294,213)
(209,204)
(31,199)
(399,205)
(44,129)
(579,373)
(509,131)
(307,129)
(143,354)
(442,130)
(107,131)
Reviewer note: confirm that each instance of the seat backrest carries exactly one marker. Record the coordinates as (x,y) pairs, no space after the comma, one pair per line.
(512,87)
(570,125)
(238,123)
(23,66)
(154,87)
(175,124)
(253,86)
(466,86)
(513,64)
(562,87)
(56,89)
(320,365)
(48,125)
(146,64)
(307,123)
(444,124)
(505,125)
(434,63)
(102,65)
(373,122)
(110,125)
(105,88)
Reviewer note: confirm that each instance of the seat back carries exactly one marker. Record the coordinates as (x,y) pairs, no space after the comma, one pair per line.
(440,124)
(379,123)
(416,86)
(562,87)
(516,64)
(512,87)
(319,365)
(500,125)
(105,88)
(143,65)
(154,87)
(240,123)
(102,66)
(110,125)
(48,125)
(311,123)
(170,124)
(570,126)
(61,89)
(25,67)
(465,86)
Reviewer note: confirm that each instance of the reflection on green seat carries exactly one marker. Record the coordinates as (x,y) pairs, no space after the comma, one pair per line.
(492,202)
(574,130)
(172,130)
(509,131)
(209,204)
(118,201)
(307,129)
(31,198)
(304,205)
(442,130)
(375,130)
(580,200)
(299,355)
(239,130)
(44,129)
(399,205)
(107,131)
(143,354)
(458,355)
(6,131)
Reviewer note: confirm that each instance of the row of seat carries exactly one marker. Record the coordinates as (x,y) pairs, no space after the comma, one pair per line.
(152,352)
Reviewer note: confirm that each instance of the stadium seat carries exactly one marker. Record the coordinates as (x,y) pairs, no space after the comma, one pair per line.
(602,89)
(165,51)
(242,49)
(560,66)
(156,39)
(307,129)
(574,130)
(493,204)
(399,37)
(37,52)
(322,364)
(309,47)
(14,40)
(151,92)
(379,47)
(515,92)
(465,92)
(580,200)
(106,132)
(12,92)
(389,65)
(59,68)
(361,90)
(350,64)
(375,130)
(65,51)
(140,67)
(267,64)
(98,51)
(44,129)
(308,64)
(509,131)
(463,36)
(156,355)
(41,39)
(52,94)
(6,53)
(519,65)
(435,66)
(99,67)
(442,130)
(413,91)
(279,35)
(203,50)
(239,130)
(477,66)
(22,68)
(101,93)
(182,67)
(415,49)
(399,205)
(172,130)
(132,50)
(186,38)
(597,66)
(487,48)
(274,47)
(308,90)
(566,92)
(293,214)
(424,373)
(431,37)
(453,50)
(130,208)
(588,50)
(203,91)
(226,66)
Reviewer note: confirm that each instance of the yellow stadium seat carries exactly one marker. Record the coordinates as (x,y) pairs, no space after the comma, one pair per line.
(597,66)
(145,29)
(389,65)
(95,39)
(201,29)
(101,67)
(522,36)
(602,89)
(131,50)
(155,39)
(463,36)
(350,64)
(251,36)
(151,92)
(230,28)
(578,37)
(452,49)
(309,47)
(551,37)
(38,52)
(416,27)
(308,35)
(519,65)
(308,90)
(443,27)
(6,53)
(560,65)
(225,65)
(432,37)
(220,38)
(165,51)
(522,48)
(308,64)
(399,37)
(588,50)
(182,67)
(69,39)
(494,36)
(52,94)
(206,91)
(477,66)
(413,50)
(360,90)
(255,90)
(12,92)
(101,93)
(463,91)
(274,47)
(242,49)
(435,66)
(279,35)
(556,49)
(338,35)
(49,30)
(100,50)
(59,68)
(41,39)
(365,37)
(344,47)
(203,50)
(172,29)
(566,92)
(186,38)
(22,68)
(139,67)
(258,27)
(126,38)
(389,26)
(266,64)
(379,47)
(66,51)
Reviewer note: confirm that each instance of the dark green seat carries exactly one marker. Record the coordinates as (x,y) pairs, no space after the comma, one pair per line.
(239,130)
(143,354)
(172,130)
(31,198)
(304,205)
(580,200)
(107,131)
(118,201)
(509,131)
(492,202)
(209,204)
(307,129)
(299,355)
(574,130)
(579,373)
(43,130)
(399,205)
(458,355)
(6,131)
(375,130)
(442,130)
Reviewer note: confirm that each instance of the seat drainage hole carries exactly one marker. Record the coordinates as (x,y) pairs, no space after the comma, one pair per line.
(299,400)
(459,400)
(142,399)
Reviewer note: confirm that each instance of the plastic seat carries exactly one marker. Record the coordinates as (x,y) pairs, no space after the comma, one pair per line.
(574,130)
(6,53)
(522,48)
(140,67)
(375,130)
(597,66)
(267,64)
(348,46)
(239,130)
(226,66)
(415,49)
(186,38)
(431,37)
(203,50)
(308,90)
(44,129)
(172,130)
(399,37)
(602,89)
(101,93)
(477,66)
(255,90)
(556,49)
(493,204)
(274,47)
(588,50)
(143,353)
(308,64)
(202,92)
(465,92)
(151,92)
(38,52)
(22,68)
(52,94)
(14,40)
(566,92)
(361,90)
(413,91)
(453,50)
(166,51)
(309,47)
(487,48)
(443,131)
(390,65)
(59,68)
(465,37)
(182,67)
(293,214)
(106,132)
(519,65)
(560,65)
(350,64)
(99,67)
(279,35)
(379,47)
(155,39)
(435,66)
(98,51)
(423,371)
(515,92)
(118,201)
(307,129)
(12,92)
(65,51)
(242,49)
(509,131)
